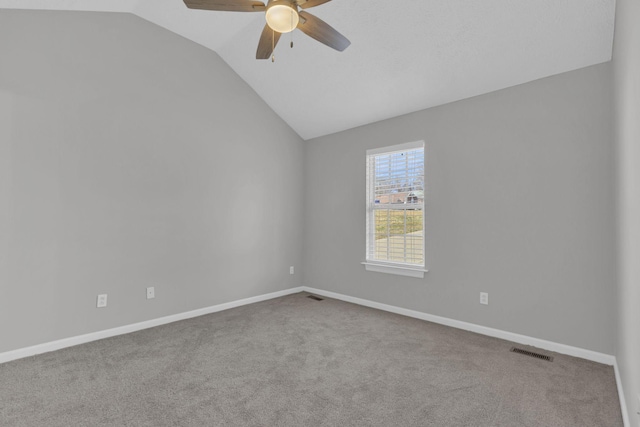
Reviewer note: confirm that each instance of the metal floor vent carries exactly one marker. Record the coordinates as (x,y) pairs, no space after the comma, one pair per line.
(532,354)
(315,298)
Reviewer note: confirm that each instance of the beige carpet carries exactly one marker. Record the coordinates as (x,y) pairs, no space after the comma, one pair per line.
(293,361)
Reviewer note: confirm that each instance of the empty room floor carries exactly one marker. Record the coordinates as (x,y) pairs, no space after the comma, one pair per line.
(295,361)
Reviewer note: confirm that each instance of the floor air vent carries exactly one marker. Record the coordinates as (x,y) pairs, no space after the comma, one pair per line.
(315,298)
(532,354)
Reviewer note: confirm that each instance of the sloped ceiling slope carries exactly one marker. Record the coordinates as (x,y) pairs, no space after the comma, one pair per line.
(404,55)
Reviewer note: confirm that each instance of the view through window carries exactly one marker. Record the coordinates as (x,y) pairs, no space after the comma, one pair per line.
(395,205)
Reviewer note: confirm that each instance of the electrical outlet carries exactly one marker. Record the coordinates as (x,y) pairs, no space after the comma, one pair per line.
(151,292)
(484,298)
(291,270)
(102,300)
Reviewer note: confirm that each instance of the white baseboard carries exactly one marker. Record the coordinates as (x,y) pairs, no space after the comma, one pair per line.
(568,350)
(497,333)
(81,339)
(594,356)
(623,402)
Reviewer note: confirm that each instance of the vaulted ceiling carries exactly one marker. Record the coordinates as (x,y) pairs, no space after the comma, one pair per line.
(405,55)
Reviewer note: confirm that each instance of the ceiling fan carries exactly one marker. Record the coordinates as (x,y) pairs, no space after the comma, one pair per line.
(283,16)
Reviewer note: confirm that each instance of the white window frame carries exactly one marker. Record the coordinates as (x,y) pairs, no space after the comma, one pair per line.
(390,267)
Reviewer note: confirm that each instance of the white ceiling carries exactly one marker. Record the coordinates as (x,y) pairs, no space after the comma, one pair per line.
(404,56)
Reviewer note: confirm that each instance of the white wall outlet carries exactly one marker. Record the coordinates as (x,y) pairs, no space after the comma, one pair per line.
(102,300)
(291,270)
(484,298)
(151,292)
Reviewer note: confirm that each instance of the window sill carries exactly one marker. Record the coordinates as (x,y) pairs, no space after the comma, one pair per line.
(401,270)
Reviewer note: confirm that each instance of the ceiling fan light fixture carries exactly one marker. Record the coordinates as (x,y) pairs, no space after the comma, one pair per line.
(282,16)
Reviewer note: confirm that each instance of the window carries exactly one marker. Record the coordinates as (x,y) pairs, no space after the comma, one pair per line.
(395,209)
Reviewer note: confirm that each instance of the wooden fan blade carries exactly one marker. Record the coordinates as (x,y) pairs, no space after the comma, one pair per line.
(311,3)
(318,29)
(268,41)
(226,5)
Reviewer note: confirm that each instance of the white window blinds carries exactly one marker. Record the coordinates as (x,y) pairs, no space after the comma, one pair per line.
(395,205)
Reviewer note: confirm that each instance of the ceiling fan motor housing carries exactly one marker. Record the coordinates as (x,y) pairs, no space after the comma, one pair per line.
(282,15)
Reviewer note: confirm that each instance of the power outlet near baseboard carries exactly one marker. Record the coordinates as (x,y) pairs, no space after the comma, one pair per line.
(484,298)
(102,301)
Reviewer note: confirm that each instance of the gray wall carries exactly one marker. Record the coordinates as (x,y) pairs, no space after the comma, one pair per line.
(131,157)
(520,204)
(626,60)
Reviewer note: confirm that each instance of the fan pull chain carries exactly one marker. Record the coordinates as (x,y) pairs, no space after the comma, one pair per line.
(291,30)
(273,47)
